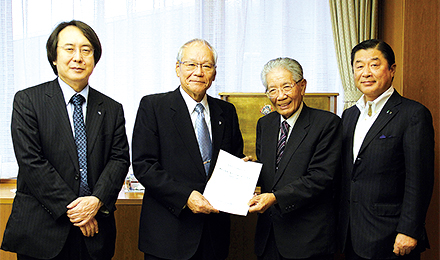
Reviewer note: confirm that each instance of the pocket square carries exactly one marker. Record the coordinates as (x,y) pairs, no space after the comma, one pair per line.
(384,136)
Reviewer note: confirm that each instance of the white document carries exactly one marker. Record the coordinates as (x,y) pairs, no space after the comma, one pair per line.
(232,184)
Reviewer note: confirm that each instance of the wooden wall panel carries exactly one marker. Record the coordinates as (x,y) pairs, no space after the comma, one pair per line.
(412,28)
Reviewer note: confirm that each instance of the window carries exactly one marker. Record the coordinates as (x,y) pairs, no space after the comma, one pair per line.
(140,41)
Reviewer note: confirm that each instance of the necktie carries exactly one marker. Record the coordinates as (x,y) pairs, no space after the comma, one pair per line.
(203,137)
(81,142)
(370,112)
(282,142)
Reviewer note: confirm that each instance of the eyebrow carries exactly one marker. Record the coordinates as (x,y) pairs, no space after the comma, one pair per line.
(71,44)
(371,59)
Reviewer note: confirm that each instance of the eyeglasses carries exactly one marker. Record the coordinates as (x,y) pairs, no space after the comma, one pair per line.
(286,89)
(85,51)
(191,66)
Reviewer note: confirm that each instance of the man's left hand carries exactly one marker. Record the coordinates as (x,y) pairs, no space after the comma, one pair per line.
(81,210)
(404,244)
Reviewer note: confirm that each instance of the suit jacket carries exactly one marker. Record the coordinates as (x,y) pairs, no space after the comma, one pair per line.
(167,161)
(303,219)
(48,178)
(387,189)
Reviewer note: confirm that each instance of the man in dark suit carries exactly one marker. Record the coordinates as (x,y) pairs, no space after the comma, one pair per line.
(176,220)
(70,174)
(300,150)
(388,163)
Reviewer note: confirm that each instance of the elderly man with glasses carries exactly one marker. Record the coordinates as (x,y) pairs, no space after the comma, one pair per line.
(176,140)
(300,150)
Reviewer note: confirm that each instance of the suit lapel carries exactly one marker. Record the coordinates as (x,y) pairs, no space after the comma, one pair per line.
(94,118)
(351,117)
(270,140)
(183,125)
(57,105)
(217,128)
(387,113)
(299,132)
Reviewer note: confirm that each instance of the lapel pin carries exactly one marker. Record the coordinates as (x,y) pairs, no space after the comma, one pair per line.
(219,122)
(389,112)
(99,112)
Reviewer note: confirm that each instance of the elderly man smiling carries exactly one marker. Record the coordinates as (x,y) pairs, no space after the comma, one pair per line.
(176,141)
(300,150)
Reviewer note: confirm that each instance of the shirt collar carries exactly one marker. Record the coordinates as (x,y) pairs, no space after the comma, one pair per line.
(191,103)
(293,118)
(378,103)
(68,92)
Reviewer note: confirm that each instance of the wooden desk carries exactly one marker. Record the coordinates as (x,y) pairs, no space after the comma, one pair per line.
(127,221)
(6,198)
(127,226)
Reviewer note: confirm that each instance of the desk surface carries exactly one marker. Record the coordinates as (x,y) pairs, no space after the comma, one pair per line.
(7,194)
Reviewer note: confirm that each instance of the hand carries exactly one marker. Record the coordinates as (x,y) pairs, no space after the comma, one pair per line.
(260,203)
(90,228)
(404,244)
(83,209)
(199,204)
(248,158)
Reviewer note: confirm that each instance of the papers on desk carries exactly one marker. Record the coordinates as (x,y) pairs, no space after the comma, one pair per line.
(232,184)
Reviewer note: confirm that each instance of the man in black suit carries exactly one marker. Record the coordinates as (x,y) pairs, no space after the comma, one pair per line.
(300,150)
(388,163)
(70,174)
(177,222)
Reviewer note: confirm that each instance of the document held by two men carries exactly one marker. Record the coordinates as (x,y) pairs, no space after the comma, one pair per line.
(232,184)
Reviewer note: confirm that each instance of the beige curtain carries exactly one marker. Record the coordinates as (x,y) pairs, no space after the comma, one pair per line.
(353,21)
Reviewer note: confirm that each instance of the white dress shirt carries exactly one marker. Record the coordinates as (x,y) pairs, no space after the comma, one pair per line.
(68,93)
(291,121)
(365,121)
(191,105)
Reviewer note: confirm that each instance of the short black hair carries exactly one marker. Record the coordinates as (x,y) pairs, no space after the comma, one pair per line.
(382,46)
(89,33)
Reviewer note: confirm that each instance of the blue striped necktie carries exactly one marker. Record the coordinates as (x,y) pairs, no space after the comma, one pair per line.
(81,142)
(203,138)
(282,142)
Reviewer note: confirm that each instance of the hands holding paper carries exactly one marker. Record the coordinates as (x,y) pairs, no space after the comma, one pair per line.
(236,176)
(260,203)
(199,204)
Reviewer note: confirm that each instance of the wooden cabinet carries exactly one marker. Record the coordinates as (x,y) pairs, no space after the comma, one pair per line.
(250,105)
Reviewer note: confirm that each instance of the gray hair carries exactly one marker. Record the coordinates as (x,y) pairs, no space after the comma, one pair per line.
(286,63)
(201,41)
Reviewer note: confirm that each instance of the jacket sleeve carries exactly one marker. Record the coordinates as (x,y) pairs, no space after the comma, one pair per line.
(39,177)
(147,149)
(418,148)
(117,161)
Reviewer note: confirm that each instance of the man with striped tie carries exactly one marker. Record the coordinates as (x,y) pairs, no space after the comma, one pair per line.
(300,150)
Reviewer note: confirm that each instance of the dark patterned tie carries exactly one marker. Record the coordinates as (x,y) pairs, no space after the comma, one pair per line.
(282,142)
(81,142)
(203,137)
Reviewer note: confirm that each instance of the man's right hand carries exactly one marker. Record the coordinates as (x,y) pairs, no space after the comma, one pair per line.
(199,204)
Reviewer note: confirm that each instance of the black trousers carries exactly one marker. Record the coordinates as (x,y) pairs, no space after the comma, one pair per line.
(74,248)
(271,251)
(205,250)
